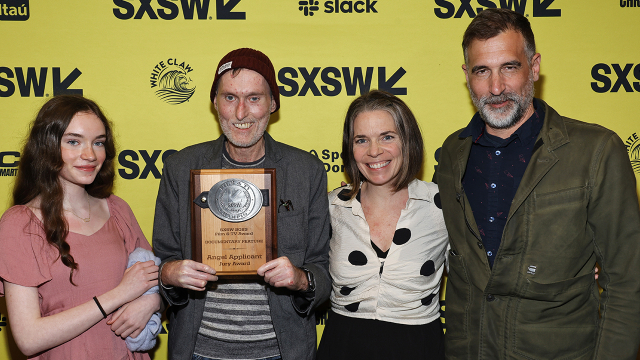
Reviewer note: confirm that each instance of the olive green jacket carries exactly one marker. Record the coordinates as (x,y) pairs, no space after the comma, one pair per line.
(576,204)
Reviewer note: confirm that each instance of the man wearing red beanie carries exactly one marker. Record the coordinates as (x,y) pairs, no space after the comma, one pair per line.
(270,319)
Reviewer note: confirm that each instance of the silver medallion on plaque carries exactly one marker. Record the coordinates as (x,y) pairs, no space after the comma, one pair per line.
(235,200)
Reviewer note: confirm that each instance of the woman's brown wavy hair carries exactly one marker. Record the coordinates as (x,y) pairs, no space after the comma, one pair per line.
(41,162)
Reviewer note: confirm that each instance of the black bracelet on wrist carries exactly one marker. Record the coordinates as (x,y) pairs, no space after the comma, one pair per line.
(104,314)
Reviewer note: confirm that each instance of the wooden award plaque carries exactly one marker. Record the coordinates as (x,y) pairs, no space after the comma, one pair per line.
(233,220)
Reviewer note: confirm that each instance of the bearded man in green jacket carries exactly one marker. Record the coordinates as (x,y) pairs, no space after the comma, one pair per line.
(532,200)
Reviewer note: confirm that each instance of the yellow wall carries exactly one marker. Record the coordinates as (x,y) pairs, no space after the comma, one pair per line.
(108,50)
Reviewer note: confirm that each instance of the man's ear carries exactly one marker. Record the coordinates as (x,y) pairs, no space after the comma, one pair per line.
(535,66)
(215,101)
(273,105)
(466,73)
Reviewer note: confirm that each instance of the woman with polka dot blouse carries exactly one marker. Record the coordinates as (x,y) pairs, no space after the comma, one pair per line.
(388,241)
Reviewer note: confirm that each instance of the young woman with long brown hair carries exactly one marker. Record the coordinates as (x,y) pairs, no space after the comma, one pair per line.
(66,240)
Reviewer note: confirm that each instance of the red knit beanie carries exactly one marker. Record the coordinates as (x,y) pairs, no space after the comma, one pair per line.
(248,59)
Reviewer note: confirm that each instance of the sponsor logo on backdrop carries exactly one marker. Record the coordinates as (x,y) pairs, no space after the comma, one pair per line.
(603,76)
(14,10)
(130,161)
(633,148)
(28,79)
(171,82)
(302,81)
(466,8)
(170,9)
(9,161)
(629,3)
(310,7)
(332,160)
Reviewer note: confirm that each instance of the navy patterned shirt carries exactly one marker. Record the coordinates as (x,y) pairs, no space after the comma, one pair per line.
(493,174)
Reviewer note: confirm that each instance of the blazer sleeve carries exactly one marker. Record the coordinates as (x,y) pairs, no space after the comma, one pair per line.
(317,252)
(614,219)
(166,230)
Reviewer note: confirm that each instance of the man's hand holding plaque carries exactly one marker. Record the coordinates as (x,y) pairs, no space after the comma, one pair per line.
(187,274)
(282,273)
(193,275)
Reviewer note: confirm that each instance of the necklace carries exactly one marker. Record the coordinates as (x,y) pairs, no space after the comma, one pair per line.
(81,218)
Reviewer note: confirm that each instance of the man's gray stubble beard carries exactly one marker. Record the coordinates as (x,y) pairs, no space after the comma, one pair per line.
(518,107)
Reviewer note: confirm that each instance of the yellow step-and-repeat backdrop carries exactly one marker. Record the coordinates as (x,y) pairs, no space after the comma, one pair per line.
(325,52)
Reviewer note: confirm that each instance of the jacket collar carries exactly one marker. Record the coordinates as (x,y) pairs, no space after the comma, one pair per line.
(526,133)
(272,148)
(552,135)
(554,131)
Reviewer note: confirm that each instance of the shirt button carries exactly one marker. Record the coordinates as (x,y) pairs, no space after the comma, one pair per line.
(489,253)
(498,152)
(490,297)
(491,218)
(493,185)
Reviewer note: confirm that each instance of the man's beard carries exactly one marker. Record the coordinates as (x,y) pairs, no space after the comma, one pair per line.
(509,115)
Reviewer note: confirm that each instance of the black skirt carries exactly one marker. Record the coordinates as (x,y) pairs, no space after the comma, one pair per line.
(353,339)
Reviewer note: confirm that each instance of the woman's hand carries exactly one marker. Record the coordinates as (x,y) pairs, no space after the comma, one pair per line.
(132,317)
(34,333)
(137,279)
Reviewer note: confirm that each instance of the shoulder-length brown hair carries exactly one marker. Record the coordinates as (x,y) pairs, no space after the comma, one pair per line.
(41,162)
(408,130)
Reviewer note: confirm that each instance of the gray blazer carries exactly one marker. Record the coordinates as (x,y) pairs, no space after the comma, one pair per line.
(303,237)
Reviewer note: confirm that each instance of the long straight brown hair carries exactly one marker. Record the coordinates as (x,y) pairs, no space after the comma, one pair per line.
(41,162)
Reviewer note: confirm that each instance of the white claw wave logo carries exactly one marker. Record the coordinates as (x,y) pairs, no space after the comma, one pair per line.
(633,148)
(174,86)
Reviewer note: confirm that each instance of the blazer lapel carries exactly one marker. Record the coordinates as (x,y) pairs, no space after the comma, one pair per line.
(552,136)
